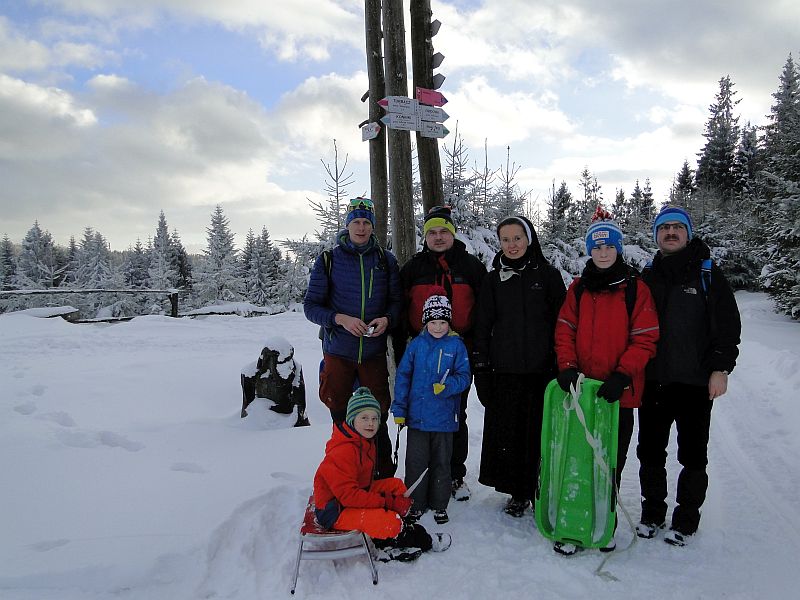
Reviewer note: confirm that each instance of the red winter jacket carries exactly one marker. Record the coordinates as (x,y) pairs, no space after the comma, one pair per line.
(599,340)
(346,471)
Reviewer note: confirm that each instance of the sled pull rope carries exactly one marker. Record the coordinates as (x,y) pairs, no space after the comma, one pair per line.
(571,402)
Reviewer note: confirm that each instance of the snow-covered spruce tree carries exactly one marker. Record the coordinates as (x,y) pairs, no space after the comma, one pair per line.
(162,271)
(683,188)
(481,193)
(8,264)
(457,182)
(781,274)
(36,264)
(218,278)
(136,265)
(558,232)
(781,201)
(183,264)
(620,209)
(296,268)
(715,177)
(781,138)
(262,271)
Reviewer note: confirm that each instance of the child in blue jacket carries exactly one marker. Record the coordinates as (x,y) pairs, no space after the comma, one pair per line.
(431,376)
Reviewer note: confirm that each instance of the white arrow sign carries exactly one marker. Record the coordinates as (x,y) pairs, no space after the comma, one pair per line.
(402,105)
(432,130)
(400,121)
(432,113)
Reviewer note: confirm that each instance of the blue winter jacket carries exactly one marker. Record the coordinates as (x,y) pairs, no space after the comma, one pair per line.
(424,363)
(364,282)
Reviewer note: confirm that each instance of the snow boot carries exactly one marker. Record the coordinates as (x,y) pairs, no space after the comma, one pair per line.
(648,530)
(516,507)
(566,548)
(675,538)
(610,546)
(461,491)
(398,554)
(440,516)
(413,516)
(440,542)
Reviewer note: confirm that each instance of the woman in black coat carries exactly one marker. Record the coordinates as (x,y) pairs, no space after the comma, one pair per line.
(515,320)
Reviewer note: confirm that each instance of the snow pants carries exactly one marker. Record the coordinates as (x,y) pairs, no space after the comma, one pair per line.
(377,523)
(431,450)
(689,408)
(336,386)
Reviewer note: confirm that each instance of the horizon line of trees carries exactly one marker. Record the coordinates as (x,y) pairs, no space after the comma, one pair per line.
(743,196)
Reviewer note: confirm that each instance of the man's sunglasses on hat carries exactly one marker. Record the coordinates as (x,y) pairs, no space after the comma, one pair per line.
(362,203)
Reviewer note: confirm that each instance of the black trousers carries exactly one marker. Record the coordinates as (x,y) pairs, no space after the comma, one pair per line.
(458,468)
(689,408)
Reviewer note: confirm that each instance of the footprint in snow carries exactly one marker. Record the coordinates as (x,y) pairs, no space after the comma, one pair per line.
(92,439)
(187,467)
(26,408)
(61,418)
(48,545)
(38,389)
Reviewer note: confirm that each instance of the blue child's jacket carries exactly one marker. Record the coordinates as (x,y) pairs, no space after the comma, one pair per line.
(424,363)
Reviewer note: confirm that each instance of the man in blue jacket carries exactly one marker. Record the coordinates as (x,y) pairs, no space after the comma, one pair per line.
(354,294)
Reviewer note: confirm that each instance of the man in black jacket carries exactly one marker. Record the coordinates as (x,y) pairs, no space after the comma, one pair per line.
(700,333)
(444,263)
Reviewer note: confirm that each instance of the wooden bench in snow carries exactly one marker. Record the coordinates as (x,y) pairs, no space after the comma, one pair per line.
(347,544)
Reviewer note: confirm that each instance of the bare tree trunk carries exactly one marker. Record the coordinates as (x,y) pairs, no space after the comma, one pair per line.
(400,186)
(379,185)
(430,166)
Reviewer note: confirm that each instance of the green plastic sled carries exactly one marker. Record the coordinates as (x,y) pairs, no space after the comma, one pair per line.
(576,501)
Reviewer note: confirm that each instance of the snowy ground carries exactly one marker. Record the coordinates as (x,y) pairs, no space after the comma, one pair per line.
(127,473)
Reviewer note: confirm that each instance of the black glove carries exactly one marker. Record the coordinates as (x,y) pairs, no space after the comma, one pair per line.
(568,377)
(484,387)
(613,387)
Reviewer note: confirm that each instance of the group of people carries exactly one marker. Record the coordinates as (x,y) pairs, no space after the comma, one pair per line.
(663,342)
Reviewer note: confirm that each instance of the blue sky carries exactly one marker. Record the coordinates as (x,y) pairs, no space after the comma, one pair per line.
(109,114)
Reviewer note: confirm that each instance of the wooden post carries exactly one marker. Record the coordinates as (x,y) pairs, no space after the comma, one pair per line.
(404,241)
(173,300)
(430,166)
(379,184)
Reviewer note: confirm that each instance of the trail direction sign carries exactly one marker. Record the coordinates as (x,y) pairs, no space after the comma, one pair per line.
(401,121)
(432,130)
(402,105)
(430,97)
(431,113)
(370,131)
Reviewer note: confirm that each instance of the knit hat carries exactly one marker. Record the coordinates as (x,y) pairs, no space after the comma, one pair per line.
(360,208)
(437,307)
(672,214)
(361,400)
(603,232)
(517,220)
(439,216)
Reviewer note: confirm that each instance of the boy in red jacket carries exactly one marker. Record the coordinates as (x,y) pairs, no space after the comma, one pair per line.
(347,497)
(601,338)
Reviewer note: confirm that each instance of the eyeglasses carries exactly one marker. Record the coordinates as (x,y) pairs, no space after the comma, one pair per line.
(363,203)
(668,226)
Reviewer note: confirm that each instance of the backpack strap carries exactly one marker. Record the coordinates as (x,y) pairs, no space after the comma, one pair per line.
(630,296)
(705,275)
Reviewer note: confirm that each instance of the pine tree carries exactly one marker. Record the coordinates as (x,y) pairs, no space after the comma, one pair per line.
(135,269)
(94,261)
(36,263)
(8,265)
(556,225)
(183,264)
(218,278)
(683,189)
(782,134)
(781,274)
(715,165)
(481,194)
(457,182)
(620,208)
(508,198)
(162,271)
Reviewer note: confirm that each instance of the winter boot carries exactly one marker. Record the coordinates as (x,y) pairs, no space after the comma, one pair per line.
(440,516)
(516,507)
(440,542)
(398,554)
(566,548)
(461,492)
(675,538)
(648,530)
(413,516)
(610,546)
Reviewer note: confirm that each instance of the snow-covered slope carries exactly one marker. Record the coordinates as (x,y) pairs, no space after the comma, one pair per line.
(127,473)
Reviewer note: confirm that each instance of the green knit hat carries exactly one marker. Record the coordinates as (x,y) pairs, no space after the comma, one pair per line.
(361,400)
